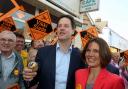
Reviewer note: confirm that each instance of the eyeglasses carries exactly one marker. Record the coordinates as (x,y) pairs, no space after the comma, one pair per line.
(6,40)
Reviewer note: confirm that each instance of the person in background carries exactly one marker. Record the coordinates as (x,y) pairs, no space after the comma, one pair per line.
(20,41)
(32,55)
(113,66)
(57,63)
(47,43)
(11,66)
(97,55)
(115,59)
(35,45)
(123,65)
(32,52)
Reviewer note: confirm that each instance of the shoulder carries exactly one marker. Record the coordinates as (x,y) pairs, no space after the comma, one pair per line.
(81,75)
(115,81)
(112,69)
(47,47)
(115,78)
(17,55)
(81,72)
(76,50)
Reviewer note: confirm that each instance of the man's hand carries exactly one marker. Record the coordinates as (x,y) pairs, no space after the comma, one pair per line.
(29,74)
(31,71)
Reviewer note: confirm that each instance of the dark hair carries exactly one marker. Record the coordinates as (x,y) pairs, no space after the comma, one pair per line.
(32,43)
(104,51)
(68,17)
(19,35)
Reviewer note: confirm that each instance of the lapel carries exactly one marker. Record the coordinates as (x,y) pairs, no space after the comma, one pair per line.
(0,66)
(52,61)
(102,75)
(85,79)
(71,65)
(17,60)
(15,64)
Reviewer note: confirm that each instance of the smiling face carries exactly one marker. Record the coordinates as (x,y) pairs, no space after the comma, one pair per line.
(38,44)
(64,29)
(19,44)
(97,53)
(116,57)
(92,55)
(7,41)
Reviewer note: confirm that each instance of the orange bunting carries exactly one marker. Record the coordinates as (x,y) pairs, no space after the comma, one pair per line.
(84,40)
(92,31)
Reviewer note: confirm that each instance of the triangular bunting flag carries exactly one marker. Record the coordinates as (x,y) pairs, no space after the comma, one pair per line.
(83,33)
(84,40)
(84,37)
(92,31)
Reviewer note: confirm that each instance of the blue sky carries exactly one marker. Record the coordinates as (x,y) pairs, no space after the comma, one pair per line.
(116,13)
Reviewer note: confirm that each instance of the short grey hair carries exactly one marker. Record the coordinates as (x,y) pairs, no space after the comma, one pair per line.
(7,32)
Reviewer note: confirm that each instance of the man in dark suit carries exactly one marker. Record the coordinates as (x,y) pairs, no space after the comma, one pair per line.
(112,69)
(57,63)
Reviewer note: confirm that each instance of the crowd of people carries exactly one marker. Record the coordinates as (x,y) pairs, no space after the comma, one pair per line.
(60,66)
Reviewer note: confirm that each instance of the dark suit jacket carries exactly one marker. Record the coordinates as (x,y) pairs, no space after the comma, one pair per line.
(46,58)
(112,69)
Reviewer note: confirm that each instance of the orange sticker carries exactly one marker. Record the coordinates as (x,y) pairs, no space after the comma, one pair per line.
(78,86)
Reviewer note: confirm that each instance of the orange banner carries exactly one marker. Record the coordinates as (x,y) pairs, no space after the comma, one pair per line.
(7,24)
(10,12)
(40,25)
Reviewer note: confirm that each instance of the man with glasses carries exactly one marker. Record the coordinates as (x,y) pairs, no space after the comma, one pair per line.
(10,62)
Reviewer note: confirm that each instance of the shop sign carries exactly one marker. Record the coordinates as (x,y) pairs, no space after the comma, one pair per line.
(71,6)
(89,5)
